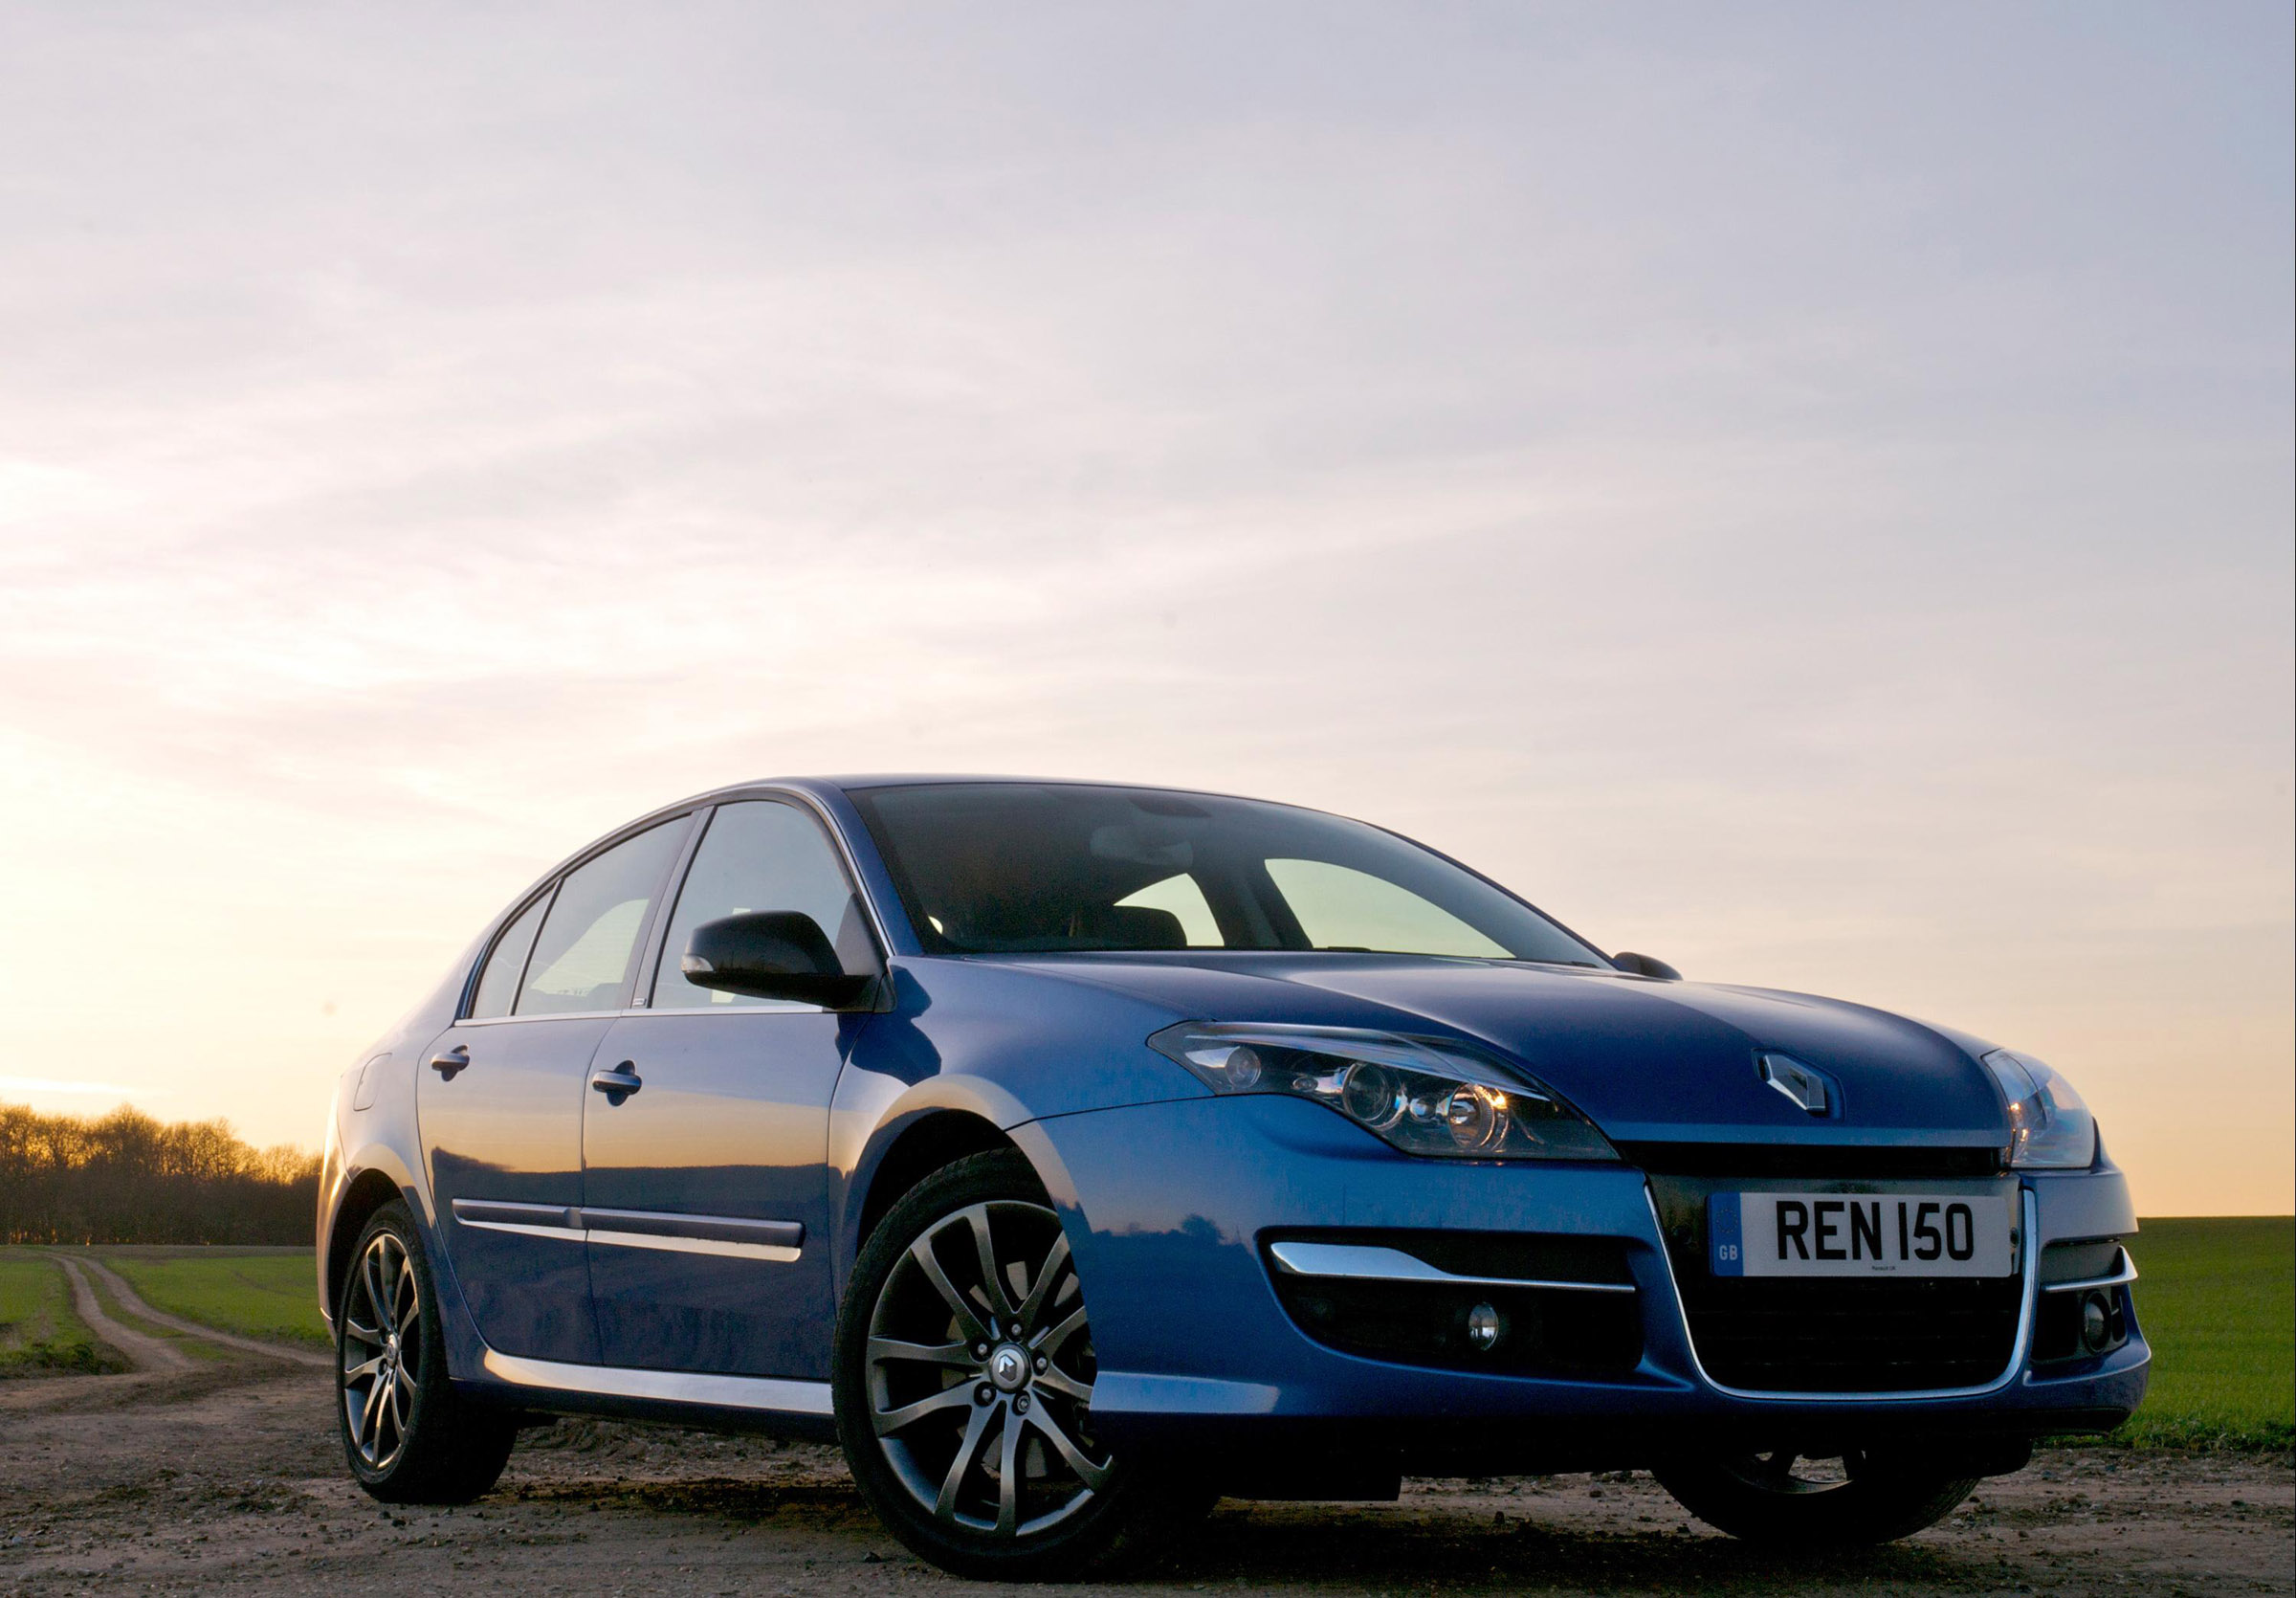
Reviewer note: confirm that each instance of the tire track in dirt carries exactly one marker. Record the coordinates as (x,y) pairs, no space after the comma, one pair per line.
(133,1302)
(143,1350)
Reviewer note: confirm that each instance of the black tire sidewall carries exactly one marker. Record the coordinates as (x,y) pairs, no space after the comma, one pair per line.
(454,1449)
(1099,1534)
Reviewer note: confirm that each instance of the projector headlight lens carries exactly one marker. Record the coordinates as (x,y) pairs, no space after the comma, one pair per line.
(1425,1097)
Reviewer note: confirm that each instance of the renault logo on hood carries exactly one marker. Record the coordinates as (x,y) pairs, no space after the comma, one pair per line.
(1810,1089)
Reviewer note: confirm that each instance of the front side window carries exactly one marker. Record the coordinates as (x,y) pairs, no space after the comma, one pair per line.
(588,949)
(759,855)
(1013,868)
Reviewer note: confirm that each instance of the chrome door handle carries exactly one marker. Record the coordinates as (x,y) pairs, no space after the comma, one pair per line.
(618,1083)
(450,1061)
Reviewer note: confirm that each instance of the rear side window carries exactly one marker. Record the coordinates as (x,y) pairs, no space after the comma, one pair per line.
(588,946)
(760,855)
(499,983)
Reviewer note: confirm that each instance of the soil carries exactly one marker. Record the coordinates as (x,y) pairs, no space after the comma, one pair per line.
(231,1475)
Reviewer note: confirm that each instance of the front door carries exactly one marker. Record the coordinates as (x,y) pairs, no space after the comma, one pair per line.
(502,1099)
(706,1189)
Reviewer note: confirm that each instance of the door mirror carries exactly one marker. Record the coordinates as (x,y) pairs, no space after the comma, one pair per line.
(771,954)
(1641,964)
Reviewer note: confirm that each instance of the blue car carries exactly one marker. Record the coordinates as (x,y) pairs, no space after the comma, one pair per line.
(1077,1155)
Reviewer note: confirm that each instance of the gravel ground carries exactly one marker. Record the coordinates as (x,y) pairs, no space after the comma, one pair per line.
(230,1475)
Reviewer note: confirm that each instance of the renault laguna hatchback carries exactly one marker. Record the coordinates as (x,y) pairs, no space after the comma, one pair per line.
(1077,1155)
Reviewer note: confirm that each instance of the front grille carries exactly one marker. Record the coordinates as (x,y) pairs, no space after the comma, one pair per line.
(1787,1336)
(1770,1334)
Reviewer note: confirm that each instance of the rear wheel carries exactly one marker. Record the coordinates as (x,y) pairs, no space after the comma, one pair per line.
(1848,1501)
(965,1372)
(407,1435)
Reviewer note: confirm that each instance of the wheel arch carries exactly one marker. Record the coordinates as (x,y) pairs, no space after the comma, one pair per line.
(924,1142)
(365,1193)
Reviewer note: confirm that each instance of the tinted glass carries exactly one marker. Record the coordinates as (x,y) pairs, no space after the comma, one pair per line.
(1029,867)
(760,855)
(589,946)
(499,983)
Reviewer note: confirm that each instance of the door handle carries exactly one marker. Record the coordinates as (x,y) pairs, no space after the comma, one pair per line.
(450,1061)
(618,1083)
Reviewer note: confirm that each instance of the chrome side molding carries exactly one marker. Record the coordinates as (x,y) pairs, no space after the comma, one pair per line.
(727,1237)
(777,1394)
(1368,1262)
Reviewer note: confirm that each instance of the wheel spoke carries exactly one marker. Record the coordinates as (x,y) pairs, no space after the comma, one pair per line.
(976,1426)
(1008,1476)
(1050,1341)
(1000,1305)
(370,1414)
(1094,1477)
(365,1333)
(968,1319)
(1047,1275)
(1053,1378)
(887,1348)
(360,1372)
(889,1421)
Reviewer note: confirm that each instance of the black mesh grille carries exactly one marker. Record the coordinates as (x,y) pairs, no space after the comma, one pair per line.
(1784,1336)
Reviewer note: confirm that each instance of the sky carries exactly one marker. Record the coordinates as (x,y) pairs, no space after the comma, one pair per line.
(1804,492)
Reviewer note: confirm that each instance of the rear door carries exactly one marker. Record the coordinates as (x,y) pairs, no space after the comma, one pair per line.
(706,1189)
(502,1099)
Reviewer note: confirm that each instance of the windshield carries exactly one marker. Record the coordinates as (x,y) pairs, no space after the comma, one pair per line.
(1014,868)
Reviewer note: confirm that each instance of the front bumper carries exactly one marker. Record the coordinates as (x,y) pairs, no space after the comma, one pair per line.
(1167,1205)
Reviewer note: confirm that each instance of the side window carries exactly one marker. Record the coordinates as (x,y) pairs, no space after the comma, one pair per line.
(499,983)
(759,855)
(1341,908)
(588,945)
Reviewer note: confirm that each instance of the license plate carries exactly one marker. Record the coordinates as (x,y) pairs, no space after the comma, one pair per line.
(1861,1235)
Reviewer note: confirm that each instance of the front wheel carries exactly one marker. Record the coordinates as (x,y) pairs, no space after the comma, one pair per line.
(1851,1501)
(965,1372)
(408,1437)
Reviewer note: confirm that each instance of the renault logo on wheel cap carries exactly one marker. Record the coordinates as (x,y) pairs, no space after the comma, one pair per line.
(1008,1367)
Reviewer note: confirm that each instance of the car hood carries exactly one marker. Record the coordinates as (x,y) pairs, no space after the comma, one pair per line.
(1649,1060)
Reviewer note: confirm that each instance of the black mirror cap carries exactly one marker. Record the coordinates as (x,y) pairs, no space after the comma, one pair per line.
(771,954)
(1642,966)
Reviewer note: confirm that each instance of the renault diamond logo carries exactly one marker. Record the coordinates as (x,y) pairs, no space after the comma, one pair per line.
(1807,1088)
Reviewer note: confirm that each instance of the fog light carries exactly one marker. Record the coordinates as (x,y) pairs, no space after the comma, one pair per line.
(2096,1322)
(1484,1326)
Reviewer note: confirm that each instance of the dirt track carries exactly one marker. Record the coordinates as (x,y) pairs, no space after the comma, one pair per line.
(176,1482)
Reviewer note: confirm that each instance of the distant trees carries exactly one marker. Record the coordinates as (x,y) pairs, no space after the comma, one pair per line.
(126,1178)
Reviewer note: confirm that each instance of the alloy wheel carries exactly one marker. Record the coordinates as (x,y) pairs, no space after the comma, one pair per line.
(382,1351)
(980,1373)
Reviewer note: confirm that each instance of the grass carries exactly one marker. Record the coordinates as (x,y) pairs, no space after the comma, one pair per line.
(264,1293)
(2217,1302)
(39,1334)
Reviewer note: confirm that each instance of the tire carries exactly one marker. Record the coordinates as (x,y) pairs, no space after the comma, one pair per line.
(974,1445)
(1856,1500)
(408,1437)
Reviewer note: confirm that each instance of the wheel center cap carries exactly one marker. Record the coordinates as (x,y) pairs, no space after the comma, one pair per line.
(1008,1367)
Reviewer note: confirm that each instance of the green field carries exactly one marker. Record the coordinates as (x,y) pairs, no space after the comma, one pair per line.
(40,1334)
(265,1293)
(2217,1300)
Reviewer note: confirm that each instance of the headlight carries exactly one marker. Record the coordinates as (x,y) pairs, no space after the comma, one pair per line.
(2048,1124)
(1422,1097)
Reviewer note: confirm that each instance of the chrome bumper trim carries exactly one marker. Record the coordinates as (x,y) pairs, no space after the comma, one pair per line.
(1366,1262)
(2028,1248)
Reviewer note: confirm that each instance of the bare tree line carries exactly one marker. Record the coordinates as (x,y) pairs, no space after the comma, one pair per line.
(127,1178)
